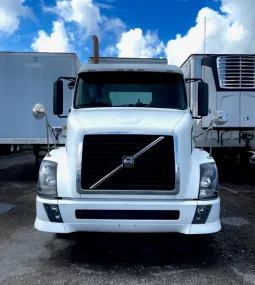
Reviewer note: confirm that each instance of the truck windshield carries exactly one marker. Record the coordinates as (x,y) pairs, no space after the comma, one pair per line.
(130,89)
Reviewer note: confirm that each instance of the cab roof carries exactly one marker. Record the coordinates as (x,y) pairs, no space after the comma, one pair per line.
(130,67)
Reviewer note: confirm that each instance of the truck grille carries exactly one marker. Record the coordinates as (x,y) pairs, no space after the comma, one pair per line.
(236,71)
(153,170)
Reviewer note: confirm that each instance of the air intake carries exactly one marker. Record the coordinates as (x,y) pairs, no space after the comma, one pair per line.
(236,72)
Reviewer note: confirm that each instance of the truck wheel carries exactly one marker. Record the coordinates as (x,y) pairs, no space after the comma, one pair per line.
(251,159)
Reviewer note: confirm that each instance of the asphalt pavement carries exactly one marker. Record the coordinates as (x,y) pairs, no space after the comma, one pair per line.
(28,256)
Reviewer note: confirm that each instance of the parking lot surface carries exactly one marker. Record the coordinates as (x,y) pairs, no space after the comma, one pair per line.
(28,256)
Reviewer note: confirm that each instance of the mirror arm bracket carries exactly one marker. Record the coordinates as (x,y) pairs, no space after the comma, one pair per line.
(70,79)
(67,78)
(188,80)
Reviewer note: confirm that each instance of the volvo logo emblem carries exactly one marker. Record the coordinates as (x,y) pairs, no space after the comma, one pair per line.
(128,161)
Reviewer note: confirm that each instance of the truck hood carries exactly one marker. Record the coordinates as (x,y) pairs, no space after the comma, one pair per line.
(107,120)
(133,121)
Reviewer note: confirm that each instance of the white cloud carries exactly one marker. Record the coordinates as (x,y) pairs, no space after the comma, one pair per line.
(229,31)
(104,6)
(134,44)
(87,15)
(10,13)
(57,41)
(110,51)
(114,24)
(71,36)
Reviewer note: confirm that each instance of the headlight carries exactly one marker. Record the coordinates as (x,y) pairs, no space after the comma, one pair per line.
(208,187)
(47,183)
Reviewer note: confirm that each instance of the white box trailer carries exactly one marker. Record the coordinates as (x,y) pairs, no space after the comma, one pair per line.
(231,79)
(26,78)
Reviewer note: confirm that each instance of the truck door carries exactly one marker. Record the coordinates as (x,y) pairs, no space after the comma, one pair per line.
(230,102)
(247,109)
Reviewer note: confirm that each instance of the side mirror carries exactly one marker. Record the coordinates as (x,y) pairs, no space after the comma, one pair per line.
(58,97)
(203,99)
(39,111)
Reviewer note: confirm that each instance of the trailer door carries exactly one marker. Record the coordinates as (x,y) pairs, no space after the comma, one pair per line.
(247,109)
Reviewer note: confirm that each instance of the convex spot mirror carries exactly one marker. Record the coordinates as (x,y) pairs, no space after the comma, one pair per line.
(220,118)
(39,111)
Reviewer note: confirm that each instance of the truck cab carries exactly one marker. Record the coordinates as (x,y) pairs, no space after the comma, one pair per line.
(129,163)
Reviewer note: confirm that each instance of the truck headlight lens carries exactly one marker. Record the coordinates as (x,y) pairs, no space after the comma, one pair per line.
(208,187)
(47,182)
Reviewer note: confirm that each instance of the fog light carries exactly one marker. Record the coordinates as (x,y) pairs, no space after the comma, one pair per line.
(53,213)
(201,214)
(54,208)
(201,210)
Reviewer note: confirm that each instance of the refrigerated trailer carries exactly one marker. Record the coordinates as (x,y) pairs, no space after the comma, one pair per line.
(231,80)
(25,79)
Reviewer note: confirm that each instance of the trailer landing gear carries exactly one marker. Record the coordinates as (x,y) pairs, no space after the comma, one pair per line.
(9,148)
(17,148)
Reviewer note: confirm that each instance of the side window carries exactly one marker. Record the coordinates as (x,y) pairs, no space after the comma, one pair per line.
(182,97)
(82,93)
(187,85)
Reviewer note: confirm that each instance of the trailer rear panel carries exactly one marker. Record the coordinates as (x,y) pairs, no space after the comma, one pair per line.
(27,79)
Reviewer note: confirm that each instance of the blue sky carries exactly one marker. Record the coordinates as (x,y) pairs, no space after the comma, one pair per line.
(127,27)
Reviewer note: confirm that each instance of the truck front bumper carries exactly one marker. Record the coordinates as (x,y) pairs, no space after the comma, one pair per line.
(70,223)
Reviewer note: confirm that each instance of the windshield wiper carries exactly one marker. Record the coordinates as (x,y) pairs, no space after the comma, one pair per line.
(137,105)
(96,104)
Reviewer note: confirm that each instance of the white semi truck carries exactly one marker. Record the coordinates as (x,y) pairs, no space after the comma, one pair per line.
(129,163)
(25,79)
(231,80)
